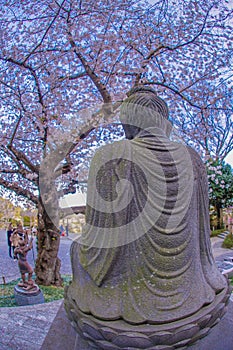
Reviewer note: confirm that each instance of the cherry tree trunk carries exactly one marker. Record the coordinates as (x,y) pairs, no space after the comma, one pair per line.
(219,215)
(47,263)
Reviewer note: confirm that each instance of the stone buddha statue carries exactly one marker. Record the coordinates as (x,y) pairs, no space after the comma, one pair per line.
(143,270)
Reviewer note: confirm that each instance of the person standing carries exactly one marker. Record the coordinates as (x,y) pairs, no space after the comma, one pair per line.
(62,230)
(9,233)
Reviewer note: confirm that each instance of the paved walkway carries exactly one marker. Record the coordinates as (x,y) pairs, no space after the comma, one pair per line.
(220,253)
(25,327)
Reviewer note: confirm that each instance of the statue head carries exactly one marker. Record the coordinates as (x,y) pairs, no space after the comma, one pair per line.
(19,226)
(141,109)
(21,241)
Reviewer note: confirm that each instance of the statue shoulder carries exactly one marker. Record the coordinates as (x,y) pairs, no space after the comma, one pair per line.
(195,156)
(197,162)
(111,149)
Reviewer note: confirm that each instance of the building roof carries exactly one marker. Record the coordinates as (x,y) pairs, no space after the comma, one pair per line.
(73,200)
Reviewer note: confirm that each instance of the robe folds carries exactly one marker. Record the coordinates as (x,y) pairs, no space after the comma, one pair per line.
(145,254)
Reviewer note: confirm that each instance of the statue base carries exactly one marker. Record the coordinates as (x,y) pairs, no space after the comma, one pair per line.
(114,335)
(28,297)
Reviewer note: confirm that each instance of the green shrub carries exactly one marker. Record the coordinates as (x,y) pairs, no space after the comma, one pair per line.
(228,241)
(214,233)
(50,293)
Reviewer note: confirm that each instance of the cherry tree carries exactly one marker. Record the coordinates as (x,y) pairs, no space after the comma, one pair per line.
(210,130)
(66,65)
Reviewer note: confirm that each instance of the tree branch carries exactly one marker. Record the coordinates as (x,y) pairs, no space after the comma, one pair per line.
(73,76)
(15,130)
(19,190)
(175,91)
(95,79)
(22,171)
(154,53)
(44,35)
(20,156)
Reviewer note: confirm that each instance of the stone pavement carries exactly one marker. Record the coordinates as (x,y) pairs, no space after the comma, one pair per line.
(220,253)
(25,327)
(36,327)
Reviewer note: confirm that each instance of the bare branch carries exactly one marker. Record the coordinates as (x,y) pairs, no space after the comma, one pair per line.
(19,190)
(15,130)
(20,156)
(175,91)
(44,35)
(95,79)
(22,171)
(73,76)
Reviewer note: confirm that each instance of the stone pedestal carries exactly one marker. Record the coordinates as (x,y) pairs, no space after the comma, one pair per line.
(219,338)
(114,335)
(28,297)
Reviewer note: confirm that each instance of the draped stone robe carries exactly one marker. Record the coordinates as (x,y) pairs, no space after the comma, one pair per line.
(145,253)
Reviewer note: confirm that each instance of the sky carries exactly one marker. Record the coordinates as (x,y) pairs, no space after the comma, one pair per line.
(229,158)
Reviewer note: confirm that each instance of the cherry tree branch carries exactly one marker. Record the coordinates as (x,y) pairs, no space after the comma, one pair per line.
(44,35)
(20,156)
(73,76)
(33,73)
(162,48)
(177,92)
(95,79)
(105,32)
(12,186)
(90,72)
(15,130)
(178,46)
(40,98)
